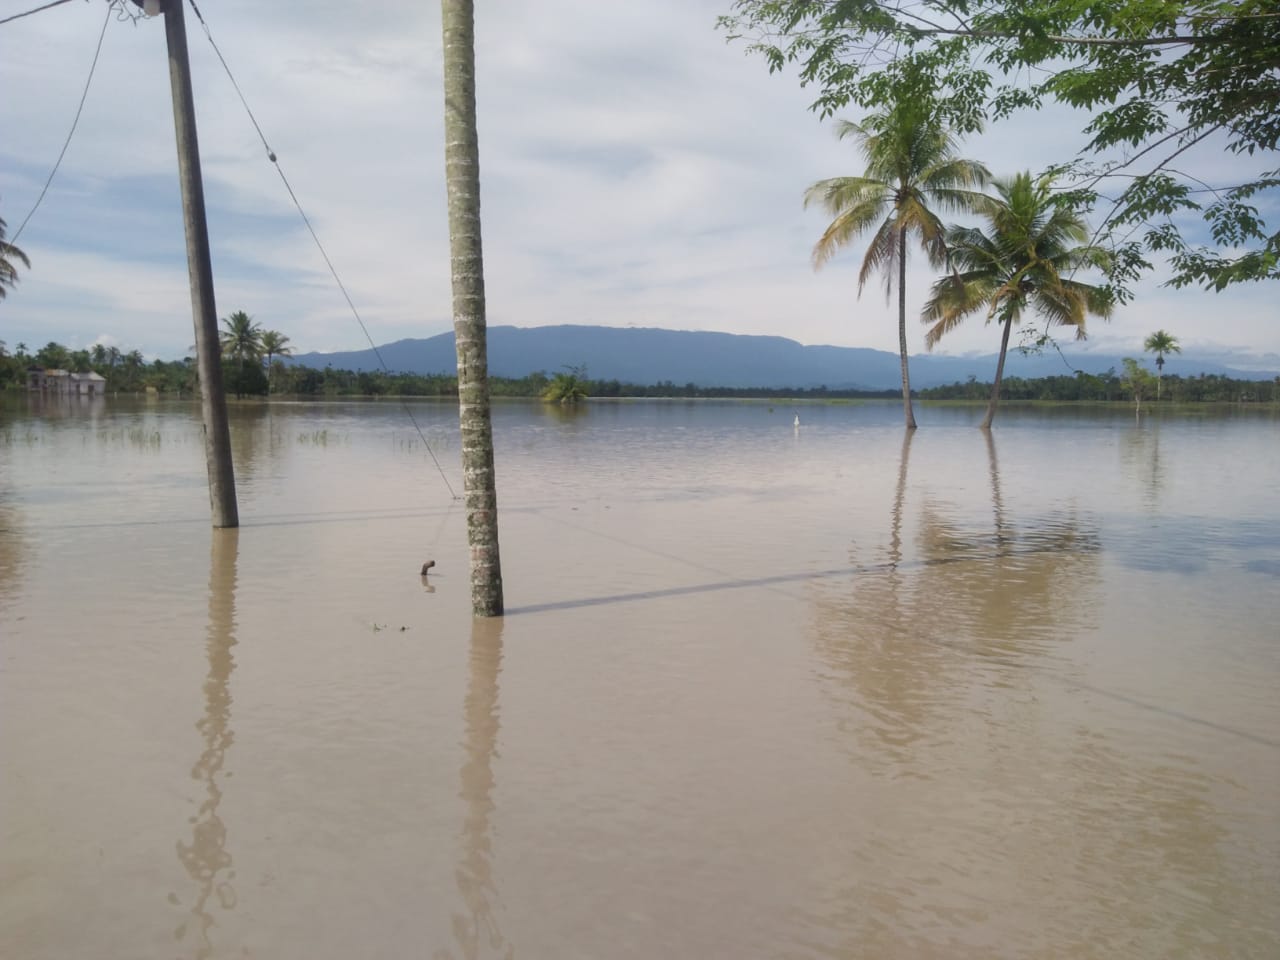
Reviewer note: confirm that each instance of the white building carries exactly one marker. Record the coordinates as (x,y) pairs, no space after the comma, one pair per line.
(63,383)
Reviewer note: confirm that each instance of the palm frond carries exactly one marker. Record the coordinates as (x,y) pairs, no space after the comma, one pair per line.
(839,193)
(914,216)
(882,254)
(840,232)
(1026,258)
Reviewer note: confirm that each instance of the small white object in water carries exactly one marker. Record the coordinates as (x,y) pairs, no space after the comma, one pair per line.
(797,419)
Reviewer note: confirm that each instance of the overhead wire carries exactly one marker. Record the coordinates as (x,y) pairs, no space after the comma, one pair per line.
(27,13)
(74,123)
(271,155)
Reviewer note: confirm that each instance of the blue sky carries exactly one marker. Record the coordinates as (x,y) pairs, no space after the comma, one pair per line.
(637,170)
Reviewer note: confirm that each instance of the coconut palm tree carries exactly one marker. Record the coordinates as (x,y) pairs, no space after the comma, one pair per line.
(911,169)
(274,344)
(9,258)
(1028,259)
(462,181)
(1161,343)
(241,340)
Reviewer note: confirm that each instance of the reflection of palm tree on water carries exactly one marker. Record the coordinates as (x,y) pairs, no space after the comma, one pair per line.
(1143,464)
(476,929)
(895,630)
(205,857)
(11,544)
(251,425)
(927,657)
(899,496)
(1028,586)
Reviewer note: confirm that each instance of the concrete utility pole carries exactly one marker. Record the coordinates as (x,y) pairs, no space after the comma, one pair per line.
(213,397)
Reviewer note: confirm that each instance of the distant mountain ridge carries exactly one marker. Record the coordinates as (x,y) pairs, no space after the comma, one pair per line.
(648,355)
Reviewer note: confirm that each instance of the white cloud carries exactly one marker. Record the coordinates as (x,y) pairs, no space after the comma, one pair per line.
(637,170)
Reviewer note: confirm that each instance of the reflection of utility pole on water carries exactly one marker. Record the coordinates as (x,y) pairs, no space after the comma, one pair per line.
(206,858)
(213,398)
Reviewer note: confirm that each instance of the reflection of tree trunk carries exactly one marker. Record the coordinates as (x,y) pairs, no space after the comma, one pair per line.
(206,858)
(1155,458)
(247,423)
(891,610)
(997,502)
(477,929)
(11,550)
(895,528)
(995,387)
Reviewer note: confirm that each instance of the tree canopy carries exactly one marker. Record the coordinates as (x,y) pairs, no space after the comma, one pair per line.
(241,340)
(1160,343)
(1028,258)
(912,169)
(241,337)
(1156,81)
(10,257)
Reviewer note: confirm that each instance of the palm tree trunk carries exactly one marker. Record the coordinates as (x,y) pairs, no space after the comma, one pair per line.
(902,329)
(462,177)
(995,387)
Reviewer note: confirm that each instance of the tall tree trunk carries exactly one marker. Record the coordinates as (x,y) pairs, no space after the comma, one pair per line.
(995,387)
(462,177)
(907,412)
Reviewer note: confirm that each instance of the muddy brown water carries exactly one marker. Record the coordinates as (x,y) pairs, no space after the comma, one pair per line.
(761,691)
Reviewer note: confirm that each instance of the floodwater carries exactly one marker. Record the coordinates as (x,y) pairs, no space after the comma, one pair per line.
(761,691)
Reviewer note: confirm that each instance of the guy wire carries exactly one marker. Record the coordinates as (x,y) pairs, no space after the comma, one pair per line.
(306,220)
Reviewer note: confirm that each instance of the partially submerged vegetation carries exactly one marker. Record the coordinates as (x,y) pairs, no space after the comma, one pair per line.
(568,387)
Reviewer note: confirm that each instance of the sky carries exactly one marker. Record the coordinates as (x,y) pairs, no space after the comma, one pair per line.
(636,170)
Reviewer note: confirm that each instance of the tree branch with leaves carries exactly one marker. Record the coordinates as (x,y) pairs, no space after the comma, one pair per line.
(1155,81)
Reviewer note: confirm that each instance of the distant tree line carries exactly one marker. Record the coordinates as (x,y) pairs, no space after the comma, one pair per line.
(1110,386)
(126,372)
(130,372)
